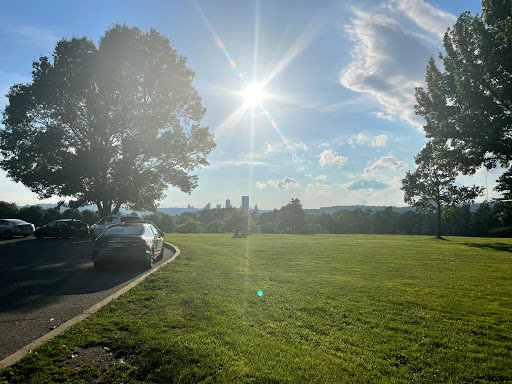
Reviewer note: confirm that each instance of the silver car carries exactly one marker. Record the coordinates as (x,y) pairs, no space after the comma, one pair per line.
(97,229)
(15,227)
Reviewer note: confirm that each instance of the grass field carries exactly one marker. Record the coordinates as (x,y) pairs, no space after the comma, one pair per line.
(333,309)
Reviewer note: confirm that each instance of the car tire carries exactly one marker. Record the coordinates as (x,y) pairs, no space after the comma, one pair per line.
(38,237)
(8,234)
(65,236)
(149,264)
(161,254)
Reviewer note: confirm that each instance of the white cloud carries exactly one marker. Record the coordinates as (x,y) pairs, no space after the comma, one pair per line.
(380,141)
(363,139)
(388,61)
(327,157)
(427,17)
(384,116)
(364,184)
(386,162)
(324,145)
(286,183)
(320,177)
(318,189)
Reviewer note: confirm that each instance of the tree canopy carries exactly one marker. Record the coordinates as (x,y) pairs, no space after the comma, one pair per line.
(431,187)
(468,106)
(112,125)
(292,218)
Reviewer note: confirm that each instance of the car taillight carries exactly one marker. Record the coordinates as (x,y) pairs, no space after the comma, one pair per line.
(141,241)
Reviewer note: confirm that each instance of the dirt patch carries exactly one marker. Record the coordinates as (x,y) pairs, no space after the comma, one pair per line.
(99,356)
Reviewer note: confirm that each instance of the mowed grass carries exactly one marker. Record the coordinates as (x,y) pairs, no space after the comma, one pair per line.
(334,309)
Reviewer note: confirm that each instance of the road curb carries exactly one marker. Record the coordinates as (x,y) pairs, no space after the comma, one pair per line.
(16,356)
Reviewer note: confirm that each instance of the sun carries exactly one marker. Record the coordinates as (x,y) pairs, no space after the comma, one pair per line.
(254,94)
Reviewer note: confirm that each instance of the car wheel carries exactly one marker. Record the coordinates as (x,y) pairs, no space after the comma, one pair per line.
(65,235)
(149,264)
(161,254)
(8,234)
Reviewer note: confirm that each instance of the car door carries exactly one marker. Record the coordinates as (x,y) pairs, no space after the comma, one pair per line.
(50,229)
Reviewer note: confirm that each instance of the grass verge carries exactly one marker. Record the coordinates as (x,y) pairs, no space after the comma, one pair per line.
(334,308)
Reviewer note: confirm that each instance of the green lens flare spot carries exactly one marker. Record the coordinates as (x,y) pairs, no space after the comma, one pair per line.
(260,293)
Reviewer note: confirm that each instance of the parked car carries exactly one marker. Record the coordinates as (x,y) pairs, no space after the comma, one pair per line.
(15,227)
(140,243)
(64,228)
(98,228)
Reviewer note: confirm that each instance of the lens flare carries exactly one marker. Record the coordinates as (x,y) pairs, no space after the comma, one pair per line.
(260,293)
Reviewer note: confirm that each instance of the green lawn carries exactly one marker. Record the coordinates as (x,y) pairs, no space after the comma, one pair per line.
(334,309)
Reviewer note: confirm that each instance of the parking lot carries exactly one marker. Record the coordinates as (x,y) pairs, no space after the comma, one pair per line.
(44,283)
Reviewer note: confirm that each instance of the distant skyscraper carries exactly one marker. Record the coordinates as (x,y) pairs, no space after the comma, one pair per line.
(208,206)
(218,206)
(245,203)
(228,203)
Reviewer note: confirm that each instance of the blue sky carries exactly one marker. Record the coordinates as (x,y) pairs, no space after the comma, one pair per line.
(337,125)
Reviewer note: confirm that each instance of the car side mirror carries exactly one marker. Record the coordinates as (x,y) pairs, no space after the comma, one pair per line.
(161,233)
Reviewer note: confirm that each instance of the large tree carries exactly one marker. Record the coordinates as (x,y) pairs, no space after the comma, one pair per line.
(112,125)
(431,187)
(292,218)
(468,106)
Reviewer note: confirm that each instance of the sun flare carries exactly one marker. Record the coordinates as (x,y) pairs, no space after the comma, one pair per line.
(254,94)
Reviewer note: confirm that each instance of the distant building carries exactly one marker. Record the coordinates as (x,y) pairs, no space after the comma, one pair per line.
(256,210)
(218,206)
(208,206)
(228,203)
(245,203)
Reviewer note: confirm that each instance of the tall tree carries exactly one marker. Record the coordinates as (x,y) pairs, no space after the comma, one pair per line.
(468,107)
(292,218)
(431,187)
(112,125)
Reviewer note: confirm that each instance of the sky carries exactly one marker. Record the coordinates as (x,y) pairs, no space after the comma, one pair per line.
(308,100)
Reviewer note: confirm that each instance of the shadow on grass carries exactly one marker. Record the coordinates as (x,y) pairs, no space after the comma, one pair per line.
(496,246)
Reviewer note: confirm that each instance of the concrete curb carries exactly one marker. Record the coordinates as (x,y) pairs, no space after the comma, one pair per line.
(86,313)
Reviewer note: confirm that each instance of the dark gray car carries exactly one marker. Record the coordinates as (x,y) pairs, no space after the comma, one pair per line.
(140,243)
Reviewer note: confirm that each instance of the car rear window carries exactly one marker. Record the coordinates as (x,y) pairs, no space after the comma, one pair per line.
(129,230)
(130,219)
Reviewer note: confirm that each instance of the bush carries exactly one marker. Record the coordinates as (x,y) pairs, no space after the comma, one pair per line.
(162,220)
(213,227)
(190,226)
(8,210)
(90,217)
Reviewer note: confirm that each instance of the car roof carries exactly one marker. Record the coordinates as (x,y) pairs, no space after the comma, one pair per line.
(16,220)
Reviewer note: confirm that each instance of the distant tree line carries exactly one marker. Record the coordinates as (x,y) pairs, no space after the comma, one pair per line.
(489,220)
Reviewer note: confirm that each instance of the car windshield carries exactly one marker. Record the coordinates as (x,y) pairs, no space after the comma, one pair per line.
(128,230)
(16,221)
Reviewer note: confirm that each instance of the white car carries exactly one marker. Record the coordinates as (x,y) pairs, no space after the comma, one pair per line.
(97,229)
(15,227)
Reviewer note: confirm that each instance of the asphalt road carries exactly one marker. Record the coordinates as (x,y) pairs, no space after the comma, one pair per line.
(44,283)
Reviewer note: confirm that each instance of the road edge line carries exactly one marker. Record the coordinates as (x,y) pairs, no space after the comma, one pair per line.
(19,354)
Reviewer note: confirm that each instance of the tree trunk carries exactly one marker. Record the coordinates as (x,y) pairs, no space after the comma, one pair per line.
(104,208)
